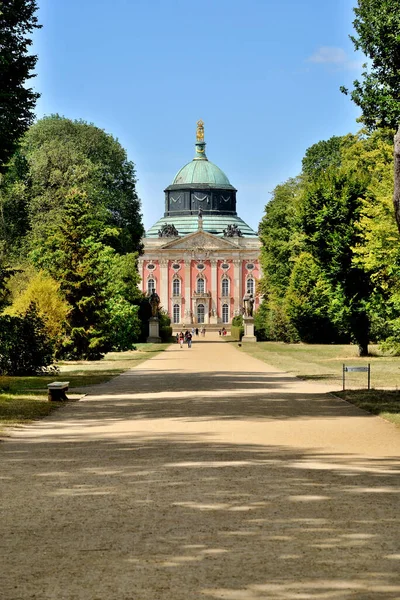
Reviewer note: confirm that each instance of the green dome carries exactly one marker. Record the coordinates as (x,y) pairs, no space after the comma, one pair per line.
(201,171)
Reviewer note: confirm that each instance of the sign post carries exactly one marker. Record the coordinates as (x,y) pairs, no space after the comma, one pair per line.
(347,369)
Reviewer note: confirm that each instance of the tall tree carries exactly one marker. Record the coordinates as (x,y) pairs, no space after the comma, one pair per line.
(377,25)
(76,257)
(61,155)
(330,214)
(17,101)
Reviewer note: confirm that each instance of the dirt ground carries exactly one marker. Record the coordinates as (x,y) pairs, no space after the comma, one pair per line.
(203,473)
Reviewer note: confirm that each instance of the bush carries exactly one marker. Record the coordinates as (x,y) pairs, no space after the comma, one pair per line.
(237,332)
(165,333)
(45,293)
(25,348)
(123,324)
(237,321)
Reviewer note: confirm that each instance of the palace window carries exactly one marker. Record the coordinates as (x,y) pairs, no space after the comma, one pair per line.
(176,287)
(177,313)
(151,286)
(201,286)
(225,313)
(225,286)
(250,286)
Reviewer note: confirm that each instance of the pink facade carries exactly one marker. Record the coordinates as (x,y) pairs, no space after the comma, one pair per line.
(201,291)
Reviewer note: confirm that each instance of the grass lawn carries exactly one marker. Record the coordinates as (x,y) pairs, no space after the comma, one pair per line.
(324,364)
(23,399)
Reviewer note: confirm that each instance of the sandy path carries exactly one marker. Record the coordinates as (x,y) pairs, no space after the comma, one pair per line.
(203,473)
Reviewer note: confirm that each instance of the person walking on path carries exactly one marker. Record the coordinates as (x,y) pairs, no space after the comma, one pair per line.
(197,331)
(189,339)
(181,339)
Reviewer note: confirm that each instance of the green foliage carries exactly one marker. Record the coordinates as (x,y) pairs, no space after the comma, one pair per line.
(316,283)
(123,324)
(25,348)
(308,302)
(237,321)
(17,100)
(68,206)
(322,155)
(237,332)
(280,237)
(165,326)
(61,155)
(377,26)
(78,260)
(44,292)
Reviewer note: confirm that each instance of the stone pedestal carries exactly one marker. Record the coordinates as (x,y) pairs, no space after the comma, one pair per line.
(154,331)
(249,336)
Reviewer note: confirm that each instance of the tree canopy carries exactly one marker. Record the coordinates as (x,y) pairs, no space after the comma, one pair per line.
(329,256)
(377,26)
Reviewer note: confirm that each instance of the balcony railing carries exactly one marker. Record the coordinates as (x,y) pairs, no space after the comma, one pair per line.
(201,294)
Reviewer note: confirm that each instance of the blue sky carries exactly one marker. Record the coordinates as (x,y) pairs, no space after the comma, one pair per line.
(263,75)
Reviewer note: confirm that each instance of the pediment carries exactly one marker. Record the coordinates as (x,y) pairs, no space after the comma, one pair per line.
(200,240)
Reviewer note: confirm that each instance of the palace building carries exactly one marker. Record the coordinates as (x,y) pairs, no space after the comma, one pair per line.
(200,257)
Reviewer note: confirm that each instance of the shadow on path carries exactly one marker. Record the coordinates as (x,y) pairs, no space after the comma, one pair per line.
(181,517)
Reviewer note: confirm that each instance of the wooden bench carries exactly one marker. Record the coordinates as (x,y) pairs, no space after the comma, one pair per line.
(57,390)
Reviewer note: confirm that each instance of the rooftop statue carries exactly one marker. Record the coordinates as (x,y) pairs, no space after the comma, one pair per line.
(232,231)
(200,131)
(168,230)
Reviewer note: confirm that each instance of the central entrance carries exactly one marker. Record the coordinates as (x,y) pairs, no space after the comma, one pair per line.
(200,313)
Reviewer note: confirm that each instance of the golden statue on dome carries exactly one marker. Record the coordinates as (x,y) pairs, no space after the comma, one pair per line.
(200,131)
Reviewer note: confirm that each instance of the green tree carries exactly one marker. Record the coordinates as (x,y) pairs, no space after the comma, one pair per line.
(17,100)
(25,348)
(330,212)
(377,26)
(320,156)
(31,287)
(308,302)
(75,256)
(279,235)
(61,155)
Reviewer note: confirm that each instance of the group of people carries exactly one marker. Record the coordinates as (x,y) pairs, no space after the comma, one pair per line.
(187,337)
(222,331)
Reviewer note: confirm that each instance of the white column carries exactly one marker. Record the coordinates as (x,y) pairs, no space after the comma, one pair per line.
(237,285)
(141,275)
(214,291)
(187,317)
(164,284)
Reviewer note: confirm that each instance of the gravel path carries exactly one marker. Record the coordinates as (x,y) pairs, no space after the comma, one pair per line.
(203,473)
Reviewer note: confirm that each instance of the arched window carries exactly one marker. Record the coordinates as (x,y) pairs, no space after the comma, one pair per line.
(225,286)
(177,313)
(151,286)
(250,286)
(201,286)
(200,313)
(176,287)
(225,313)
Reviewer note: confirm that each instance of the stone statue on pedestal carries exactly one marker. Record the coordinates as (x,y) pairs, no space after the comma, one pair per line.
(248,305)
(248,319)
(154,301)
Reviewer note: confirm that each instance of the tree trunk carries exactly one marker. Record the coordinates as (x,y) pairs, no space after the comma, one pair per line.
(396,194)
(360,330)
